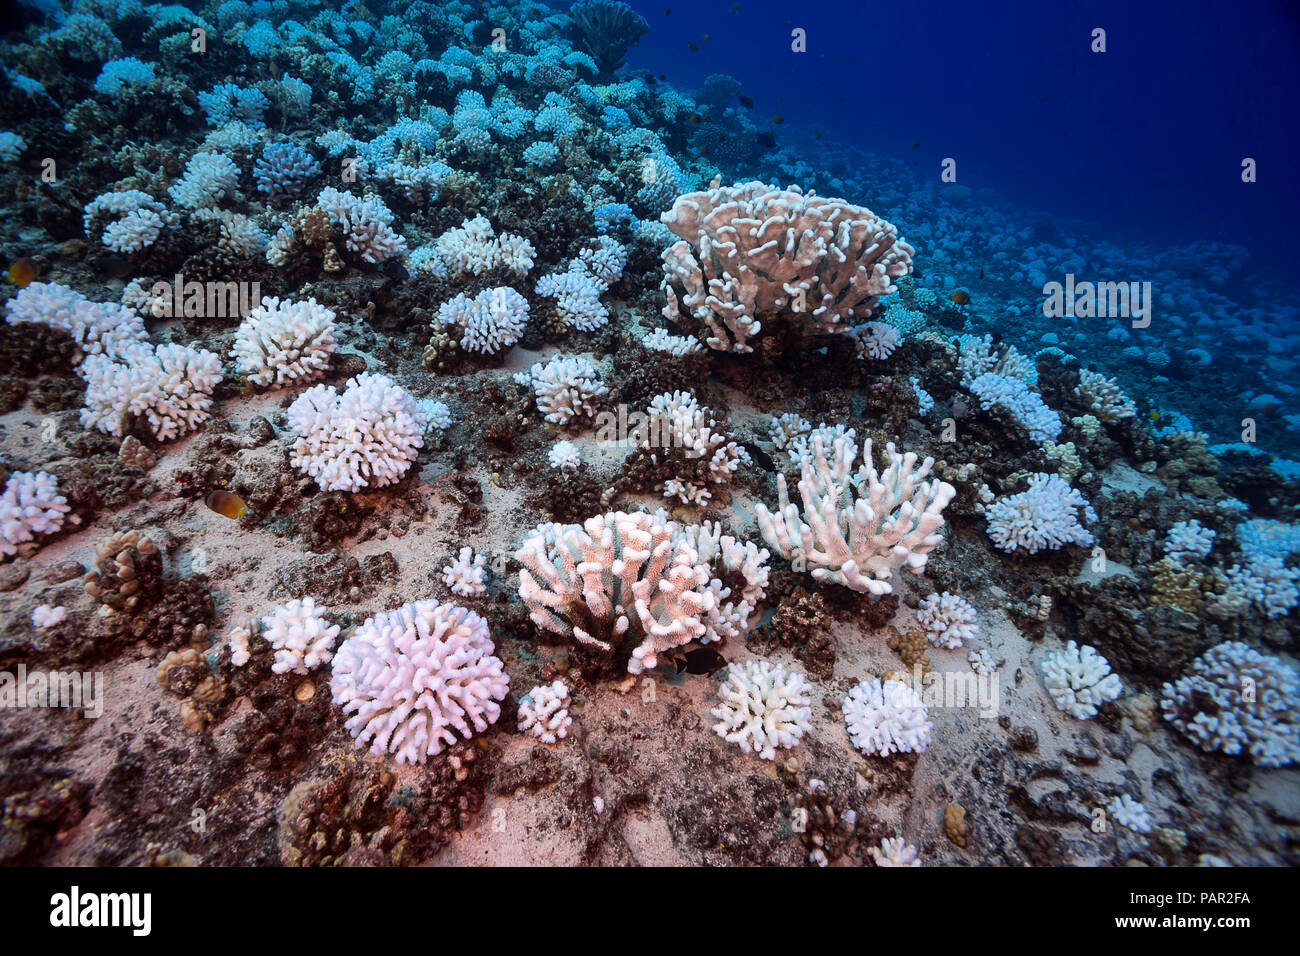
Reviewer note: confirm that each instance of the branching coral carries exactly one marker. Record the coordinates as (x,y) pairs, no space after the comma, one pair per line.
(621,577)
(1236,700)
(752,253)
(689,441)
(365,437)
(544,712)
(1044,516)
(885,717)
(948,619)
(763,707)
(415,679)
(282,342)
(1079,680)
(169,386)
(856,528)
(29,506)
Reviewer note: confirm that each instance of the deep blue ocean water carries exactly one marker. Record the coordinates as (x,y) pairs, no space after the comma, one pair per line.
(1145,140)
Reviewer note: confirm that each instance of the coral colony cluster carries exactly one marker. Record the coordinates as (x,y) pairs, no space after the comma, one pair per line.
(425,352)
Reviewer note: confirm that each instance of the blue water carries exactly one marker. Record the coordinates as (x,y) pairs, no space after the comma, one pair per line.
(1145,140)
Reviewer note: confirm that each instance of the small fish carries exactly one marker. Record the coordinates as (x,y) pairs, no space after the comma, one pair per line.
(667,10)
(745,101)
(226,503)
(395,270)
(696,119)
(766,139)
(916,144)
(693,48)
(700,660)
(115,267)
(22,272)
(778,119)
(660,77)
(735,8)
(761,458)
(707,38)
(960,297)
(1155,415)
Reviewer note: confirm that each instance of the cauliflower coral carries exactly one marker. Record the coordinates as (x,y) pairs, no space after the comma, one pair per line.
(416,679)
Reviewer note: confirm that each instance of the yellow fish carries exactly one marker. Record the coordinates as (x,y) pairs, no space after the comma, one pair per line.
(226,503)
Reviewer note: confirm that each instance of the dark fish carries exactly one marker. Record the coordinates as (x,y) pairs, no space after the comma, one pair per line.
(395,270)
(778,119)
(707,38)
(702,660)
(761,458)
(960,297)
(735,8)
(766,139)
(660,77)
(1042,101)
(667,10)
(693,48)
(916,144)
(696,119)
(115,267)
(745,101)
(226,503)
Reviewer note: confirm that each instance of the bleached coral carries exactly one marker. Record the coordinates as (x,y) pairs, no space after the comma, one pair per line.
(240,635)
(566,388)
(786,430)
(138,219)
(134,231)
(301,635)
(437,415)
(1105,398)
(855,529)
(1128,812)
(170,386)
(46,617)
(894,851)
(1265,582)
(948,619)
(763,707)
(564,456)
(1236,700)
(1020,402)
(492,320)
(620,576)
(365,437)
(466,575)
(1044,516)
(366,225)
(474,248)
(877,340)
(576,296)
(415,679)
(209,178)
(885,717)
(544,712)
(676,345)
(676,421)
(96,327)
(798,259)
(1188,540)
(978,356)
(30,506)
(1079,680)
(282,341)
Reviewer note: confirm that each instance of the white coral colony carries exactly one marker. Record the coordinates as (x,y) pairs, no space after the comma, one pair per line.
(763,707)
(856,528)
(418,678)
